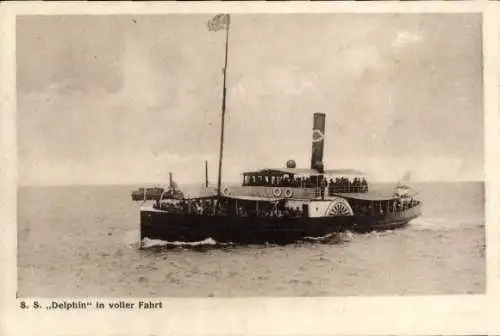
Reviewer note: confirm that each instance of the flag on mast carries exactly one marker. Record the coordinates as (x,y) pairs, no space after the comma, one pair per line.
(218,22)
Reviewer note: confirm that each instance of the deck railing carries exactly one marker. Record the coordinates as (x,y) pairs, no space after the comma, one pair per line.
(335,189)
(330,189)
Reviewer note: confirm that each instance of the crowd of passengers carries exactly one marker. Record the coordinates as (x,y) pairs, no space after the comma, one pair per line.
(383,208)
(337,185)
(343,184)
(270,211)
(207,208)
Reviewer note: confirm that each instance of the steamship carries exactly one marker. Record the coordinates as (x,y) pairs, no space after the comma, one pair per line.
(278,205)
(157,193)
(147,194)
(282,205)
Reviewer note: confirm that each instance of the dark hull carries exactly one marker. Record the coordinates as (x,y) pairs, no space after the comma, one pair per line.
(239,230)
(389,221)
(246,230)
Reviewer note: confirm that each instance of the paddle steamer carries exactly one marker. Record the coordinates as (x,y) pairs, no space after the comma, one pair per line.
(280,205)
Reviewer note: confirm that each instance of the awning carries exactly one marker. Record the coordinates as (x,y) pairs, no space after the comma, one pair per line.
(373,195)
(244,198)
(303,171)
(255,198)
(281,171)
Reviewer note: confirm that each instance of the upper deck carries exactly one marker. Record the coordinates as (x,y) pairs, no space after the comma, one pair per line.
(336,181)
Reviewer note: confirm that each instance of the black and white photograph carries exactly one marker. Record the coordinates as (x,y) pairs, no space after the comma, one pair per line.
(250,155)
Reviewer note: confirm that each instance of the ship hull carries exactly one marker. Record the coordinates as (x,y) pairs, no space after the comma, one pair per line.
(389,221)
(239,230)
(177,227)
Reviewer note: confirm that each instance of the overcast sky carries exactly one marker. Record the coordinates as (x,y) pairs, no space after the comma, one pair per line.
(122,99)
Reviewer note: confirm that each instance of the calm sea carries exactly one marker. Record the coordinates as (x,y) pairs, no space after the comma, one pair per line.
(82,241)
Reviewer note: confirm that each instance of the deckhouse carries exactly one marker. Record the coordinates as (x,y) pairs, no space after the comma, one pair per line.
(300,183)
(293,181)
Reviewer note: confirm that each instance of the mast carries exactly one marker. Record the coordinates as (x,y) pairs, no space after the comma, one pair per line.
(221,21)
(206,174)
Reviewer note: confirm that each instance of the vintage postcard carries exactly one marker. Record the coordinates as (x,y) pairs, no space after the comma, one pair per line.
(252,163)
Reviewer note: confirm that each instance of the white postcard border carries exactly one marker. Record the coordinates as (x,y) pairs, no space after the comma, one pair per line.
(460,315)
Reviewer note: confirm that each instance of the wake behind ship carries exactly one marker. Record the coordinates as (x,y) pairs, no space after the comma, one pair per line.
(282,205)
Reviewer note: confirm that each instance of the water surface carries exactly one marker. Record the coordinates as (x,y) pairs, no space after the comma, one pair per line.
(82,241)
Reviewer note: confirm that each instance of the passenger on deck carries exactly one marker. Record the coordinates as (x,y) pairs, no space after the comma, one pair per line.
(343,185)
(296,182)
(364,185)
(297,212)
(242,212)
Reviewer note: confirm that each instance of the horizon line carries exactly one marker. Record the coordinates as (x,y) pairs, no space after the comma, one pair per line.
(152,184)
